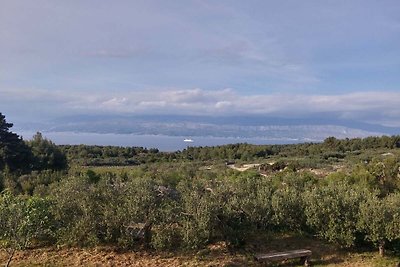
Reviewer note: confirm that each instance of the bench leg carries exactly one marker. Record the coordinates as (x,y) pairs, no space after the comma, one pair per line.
(306,261)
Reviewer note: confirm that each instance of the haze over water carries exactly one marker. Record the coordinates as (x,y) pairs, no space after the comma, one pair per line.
(162,142)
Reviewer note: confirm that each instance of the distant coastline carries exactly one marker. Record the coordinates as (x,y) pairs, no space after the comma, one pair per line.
(162,142)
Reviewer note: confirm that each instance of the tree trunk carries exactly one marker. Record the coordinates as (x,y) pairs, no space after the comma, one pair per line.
(382,248)
(147,234)
(10,258)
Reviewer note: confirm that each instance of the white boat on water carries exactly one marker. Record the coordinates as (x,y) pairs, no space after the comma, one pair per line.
(188,140)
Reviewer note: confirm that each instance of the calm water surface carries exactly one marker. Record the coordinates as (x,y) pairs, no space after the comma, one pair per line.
(162,142)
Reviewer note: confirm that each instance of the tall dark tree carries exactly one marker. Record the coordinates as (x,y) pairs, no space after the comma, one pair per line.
(14,153)
(46,154)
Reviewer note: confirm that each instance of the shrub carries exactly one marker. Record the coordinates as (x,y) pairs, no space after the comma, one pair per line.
(379,219)
(199,213)
(288,207)
(77,211)
(23,221)
(332,211)
(245,205)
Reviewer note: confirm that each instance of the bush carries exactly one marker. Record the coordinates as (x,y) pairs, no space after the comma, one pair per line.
(288,207)
(379,219)
(199,213)
(77,211)
(332,211)
(245,205)
(46,154)
(147,210)
(24,221)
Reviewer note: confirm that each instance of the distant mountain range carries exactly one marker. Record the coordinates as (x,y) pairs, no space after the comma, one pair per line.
(273,128)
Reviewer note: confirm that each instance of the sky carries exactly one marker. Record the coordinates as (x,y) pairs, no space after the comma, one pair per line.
(275,58)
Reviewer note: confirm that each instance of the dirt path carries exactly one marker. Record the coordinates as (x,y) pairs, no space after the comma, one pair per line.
(243,167)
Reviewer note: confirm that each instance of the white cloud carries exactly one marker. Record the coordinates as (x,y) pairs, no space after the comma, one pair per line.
(381,107)
(223,104)
(115,102)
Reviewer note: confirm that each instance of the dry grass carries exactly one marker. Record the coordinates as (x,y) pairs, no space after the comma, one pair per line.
(214,255)
(106,256)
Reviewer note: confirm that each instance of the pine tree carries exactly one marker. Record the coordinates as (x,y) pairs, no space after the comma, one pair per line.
(14,153)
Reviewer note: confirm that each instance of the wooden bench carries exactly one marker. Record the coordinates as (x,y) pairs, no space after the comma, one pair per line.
(303,254)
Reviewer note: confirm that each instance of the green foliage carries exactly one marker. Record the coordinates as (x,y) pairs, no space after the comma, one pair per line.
(245,205)
(166,237)
(86,155)
(47,156)
(332,211)
(253,194)
(14,153)
(92,176)
(379,219)
(288,207)
(24,220)
(198,215)
(189,199)
(1,181)
(77,212)
(360,175)
(139,207)
(34,183)
(386,173)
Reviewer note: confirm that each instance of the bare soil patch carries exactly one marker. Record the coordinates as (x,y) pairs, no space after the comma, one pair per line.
(217,254)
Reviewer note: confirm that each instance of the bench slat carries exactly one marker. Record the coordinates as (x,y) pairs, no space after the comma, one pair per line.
(275,256)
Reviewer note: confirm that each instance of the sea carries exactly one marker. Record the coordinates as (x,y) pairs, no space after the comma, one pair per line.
(162,142)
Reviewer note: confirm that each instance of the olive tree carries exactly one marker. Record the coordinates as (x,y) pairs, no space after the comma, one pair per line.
(23,220)
(332,211)
(379,219)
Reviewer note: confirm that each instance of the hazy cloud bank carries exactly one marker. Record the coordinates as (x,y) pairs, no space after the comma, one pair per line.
(375,107)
